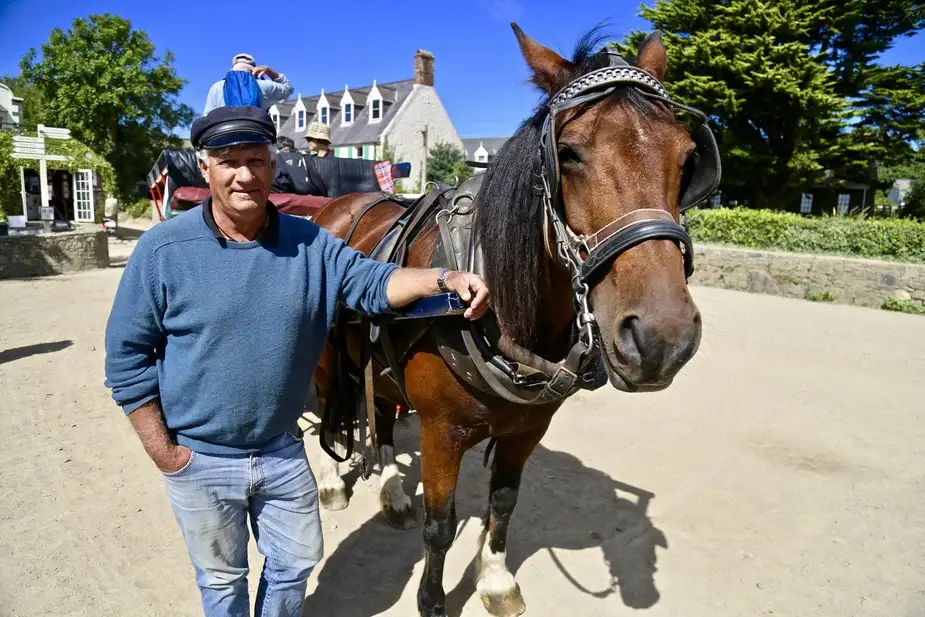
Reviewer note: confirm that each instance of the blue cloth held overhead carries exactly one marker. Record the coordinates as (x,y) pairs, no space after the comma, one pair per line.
(241,89)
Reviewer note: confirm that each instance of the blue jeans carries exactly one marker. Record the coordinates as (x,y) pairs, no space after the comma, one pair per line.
(212,498)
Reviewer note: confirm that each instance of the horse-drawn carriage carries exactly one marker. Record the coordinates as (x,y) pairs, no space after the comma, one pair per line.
(301,187)
(577,228)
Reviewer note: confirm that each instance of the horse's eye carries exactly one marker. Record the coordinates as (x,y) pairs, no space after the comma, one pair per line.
(567,156)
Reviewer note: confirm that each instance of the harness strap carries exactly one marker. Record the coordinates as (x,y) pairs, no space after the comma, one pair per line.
(396,371)
(420,213)
(559,385)
(364,212)
(637,233)
(611,229)
(332,417)
(368,401)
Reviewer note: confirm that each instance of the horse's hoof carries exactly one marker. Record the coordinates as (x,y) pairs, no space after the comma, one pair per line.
(508,604)
(333,498)
(401,516)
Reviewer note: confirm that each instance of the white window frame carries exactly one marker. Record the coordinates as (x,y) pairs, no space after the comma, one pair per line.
(843,203)
(300,119)
(348,111)
(806,203)
(83,195)
(374,97)
(274,115)
(324,116)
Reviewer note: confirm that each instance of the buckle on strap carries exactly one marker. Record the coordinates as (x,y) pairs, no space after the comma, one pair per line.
(562,383)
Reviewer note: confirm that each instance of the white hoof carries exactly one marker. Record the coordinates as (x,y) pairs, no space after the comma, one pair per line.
(499,592)
(396,505)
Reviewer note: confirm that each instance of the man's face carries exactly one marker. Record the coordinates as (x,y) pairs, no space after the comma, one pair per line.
(240,177)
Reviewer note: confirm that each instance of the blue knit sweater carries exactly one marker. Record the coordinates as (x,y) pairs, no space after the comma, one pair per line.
(228,334)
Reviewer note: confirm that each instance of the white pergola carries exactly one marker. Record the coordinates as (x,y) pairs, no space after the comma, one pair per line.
(33,148)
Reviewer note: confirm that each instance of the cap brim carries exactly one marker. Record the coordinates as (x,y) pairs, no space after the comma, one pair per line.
(235,139)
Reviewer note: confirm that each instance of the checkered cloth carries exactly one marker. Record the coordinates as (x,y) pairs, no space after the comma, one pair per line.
(383,171)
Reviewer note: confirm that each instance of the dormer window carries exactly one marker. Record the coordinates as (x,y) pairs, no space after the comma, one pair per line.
(348,107)
(274,116)
(300,122)
(323,110)
(375,104)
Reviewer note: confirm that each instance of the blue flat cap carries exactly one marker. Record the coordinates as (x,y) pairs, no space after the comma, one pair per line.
(230,126)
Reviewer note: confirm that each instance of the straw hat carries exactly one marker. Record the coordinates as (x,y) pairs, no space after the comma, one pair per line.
(316,130)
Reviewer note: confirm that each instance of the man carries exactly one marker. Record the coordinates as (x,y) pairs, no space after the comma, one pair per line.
(272,90)
(216,328)
(319,139)
(285,144)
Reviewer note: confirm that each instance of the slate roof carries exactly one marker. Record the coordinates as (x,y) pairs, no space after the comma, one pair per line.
(492,144)
(361,131)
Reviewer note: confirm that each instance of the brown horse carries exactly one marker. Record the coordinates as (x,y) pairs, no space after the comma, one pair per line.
(577,226)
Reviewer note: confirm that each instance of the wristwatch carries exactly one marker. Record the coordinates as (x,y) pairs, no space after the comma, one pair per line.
(441,281)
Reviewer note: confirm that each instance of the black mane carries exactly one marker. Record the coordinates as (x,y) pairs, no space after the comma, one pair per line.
(509,224)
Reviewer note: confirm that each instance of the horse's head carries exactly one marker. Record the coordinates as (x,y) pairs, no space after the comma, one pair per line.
(617,166)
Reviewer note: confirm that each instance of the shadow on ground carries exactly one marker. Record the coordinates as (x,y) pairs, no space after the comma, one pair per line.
(18,353)
(563,505)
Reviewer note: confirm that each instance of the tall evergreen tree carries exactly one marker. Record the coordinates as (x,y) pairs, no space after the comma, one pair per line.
(792,88)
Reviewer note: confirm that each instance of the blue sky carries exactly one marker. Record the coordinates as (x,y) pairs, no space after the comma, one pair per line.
(479,72)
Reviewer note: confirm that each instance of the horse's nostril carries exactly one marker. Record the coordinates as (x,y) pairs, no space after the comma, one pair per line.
(629,338)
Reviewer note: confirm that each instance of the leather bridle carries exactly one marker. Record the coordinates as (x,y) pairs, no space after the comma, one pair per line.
(584,256)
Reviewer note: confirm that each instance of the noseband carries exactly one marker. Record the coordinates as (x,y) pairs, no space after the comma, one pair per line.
(585,257)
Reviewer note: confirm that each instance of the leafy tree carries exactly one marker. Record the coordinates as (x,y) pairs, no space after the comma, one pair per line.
(446,162)
(914,203)
(791,87)
(103,81)
(913,168)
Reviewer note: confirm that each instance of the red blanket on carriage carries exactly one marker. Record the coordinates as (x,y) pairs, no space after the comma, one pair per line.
(187,197)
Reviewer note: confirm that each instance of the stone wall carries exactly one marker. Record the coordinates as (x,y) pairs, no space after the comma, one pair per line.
(863,282)
(55,253)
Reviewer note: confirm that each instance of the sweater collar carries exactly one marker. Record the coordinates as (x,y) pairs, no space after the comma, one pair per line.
(269,236)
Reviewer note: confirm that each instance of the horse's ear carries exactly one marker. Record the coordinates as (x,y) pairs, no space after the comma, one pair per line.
(550,70)
(652,57)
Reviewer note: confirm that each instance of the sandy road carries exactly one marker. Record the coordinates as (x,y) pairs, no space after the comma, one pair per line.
(781,474)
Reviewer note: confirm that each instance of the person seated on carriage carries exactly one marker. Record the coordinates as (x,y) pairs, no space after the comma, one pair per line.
(318,137)
(243,85)
(216,329)
(285,144)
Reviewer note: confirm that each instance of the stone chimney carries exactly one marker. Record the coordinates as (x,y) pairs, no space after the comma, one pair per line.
(424,68)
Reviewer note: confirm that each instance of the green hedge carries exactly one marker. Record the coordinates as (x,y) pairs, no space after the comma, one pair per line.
(898,239)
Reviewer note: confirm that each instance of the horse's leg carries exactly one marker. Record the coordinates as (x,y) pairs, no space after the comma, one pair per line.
(499,591)
(396,505)
(332,491)
(441,458)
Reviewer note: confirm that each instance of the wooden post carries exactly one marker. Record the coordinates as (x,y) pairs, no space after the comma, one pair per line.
(43,181)
(22,191)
